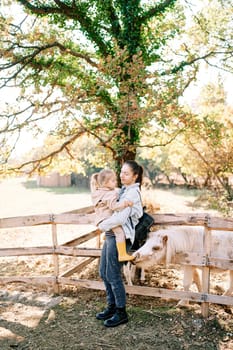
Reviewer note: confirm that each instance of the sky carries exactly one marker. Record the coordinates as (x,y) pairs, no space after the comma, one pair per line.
(205,77)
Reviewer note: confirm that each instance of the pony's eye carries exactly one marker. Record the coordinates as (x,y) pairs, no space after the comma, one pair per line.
(156,247)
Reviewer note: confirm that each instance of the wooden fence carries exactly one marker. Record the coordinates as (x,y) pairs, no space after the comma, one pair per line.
(72,248)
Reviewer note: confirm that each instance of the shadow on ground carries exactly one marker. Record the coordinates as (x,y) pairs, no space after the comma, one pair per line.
(70,323)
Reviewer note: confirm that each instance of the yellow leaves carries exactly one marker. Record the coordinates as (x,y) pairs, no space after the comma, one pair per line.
(122,68)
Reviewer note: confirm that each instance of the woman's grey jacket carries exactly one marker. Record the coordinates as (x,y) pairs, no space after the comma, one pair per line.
(128,217)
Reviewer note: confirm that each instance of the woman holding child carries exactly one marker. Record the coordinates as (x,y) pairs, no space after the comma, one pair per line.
(110,266)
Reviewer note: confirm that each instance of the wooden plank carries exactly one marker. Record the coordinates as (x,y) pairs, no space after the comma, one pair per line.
(189,258)
(154,292)
(221,263)
(26,251)
(198,259)
(70,251)
(71,219)
(197,219)
(31,220)
(136,290)
(84,210)
(34,220)
(89,284)
(82,239)
(77,268)
(29,280)
(174,294)
(225,224)
(73,251)
(55,259)
(206,271)
(86,216)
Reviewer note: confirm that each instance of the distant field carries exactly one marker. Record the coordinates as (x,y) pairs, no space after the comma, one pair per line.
(21,196)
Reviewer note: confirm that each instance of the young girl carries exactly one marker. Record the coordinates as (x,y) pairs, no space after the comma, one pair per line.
(105,200)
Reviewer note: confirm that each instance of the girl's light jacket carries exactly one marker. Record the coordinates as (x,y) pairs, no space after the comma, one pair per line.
(105,202)
(128,217)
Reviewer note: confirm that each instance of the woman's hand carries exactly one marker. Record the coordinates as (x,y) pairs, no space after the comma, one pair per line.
(127,203)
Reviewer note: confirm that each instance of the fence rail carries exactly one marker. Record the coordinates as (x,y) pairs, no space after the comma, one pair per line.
(71,248)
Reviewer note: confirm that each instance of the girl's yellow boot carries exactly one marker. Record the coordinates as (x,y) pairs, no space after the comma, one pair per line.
(122,253)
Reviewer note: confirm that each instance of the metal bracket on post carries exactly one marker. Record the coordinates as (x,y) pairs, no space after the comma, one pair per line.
(207,220)
(51,218)
(205,260)
(204,297)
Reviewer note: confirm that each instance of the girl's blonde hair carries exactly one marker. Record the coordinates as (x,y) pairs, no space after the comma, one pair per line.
(101,178)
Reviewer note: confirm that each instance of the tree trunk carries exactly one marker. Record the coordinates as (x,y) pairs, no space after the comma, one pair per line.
(122,155)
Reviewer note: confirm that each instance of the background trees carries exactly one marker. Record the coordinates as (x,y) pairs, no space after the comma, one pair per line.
(113,70)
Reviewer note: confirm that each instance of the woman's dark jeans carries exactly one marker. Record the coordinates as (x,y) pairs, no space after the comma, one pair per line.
(110,272)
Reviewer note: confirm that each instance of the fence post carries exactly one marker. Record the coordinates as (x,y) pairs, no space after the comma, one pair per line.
(55,255)
(206,268)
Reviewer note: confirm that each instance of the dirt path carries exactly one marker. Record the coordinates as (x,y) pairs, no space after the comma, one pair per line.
(35,322)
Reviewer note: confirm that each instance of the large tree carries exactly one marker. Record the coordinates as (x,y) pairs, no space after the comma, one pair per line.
(108,68)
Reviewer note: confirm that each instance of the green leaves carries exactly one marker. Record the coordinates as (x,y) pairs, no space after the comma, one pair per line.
(112,68)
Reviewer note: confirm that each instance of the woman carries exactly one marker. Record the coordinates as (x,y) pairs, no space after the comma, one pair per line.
(110,268)
(105,200)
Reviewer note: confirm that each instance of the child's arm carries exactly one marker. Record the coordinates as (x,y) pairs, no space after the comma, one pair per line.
(118,218)
(117,206)
(114,204)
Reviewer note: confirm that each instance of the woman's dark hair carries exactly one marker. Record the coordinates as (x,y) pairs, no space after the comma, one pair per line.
(137,170)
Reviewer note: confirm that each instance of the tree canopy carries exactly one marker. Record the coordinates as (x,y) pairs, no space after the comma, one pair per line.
(111,69)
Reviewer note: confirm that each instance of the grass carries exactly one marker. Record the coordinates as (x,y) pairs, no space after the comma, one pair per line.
(56,190)
(22,196)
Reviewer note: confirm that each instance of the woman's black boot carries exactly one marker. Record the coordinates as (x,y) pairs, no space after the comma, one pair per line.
(119,317)
(107,313)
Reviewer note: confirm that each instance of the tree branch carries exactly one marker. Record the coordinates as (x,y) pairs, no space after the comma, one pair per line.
(183,64)
(36,163)
(157,10)
(75,12)
(164,143)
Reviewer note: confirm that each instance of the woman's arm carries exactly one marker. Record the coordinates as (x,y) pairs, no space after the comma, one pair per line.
(117,219)
(120,218)
(112,200)
(117,206)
